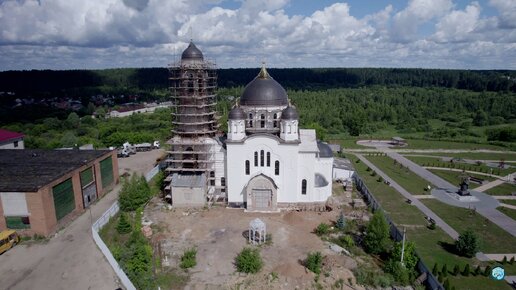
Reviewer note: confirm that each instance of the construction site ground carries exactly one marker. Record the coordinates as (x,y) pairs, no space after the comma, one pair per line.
(218,235)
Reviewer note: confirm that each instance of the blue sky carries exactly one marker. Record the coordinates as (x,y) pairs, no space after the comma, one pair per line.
(72,34)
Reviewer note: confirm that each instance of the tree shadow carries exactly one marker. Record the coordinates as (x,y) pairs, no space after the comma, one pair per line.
(448,247)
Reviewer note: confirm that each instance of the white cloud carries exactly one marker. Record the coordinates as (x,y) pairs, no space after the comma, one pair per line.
(117,33)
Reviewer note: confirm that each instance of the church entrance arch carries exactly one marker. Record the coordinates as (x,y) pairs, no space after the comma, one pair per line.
(261,194)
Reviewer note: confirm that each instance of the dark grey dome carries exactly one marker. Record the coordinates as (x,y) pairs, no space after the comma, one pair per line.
(236,114)
(192,53)
(264,91)
(289,113)
(324,150)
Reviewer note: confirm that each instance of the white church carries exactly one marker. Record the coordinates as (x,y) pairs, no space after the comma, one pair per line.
(266,163)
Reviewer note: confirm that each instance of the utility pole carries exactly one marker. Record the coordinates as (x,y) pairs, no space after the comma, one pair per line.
(403,245)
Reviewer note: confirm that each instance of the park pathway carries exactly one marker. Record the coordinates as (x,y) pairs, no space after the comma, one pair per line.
(498,218)
(438,221)
(493,183)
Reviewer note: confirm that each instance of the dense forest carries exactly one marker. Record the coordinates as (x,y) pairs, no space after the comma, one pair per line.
(471,106)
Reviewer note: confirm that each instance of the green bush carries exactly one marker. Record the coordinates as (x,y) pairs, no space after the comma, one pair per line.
(188,260)
(504,260)
(322,229)
(123,226)
(467,244)
(456,270)
(399,272)
(487,271)
(346,241)
(341,222)
(135,193)
(435,269)
(511,261)
(446,284)
(376,239)
(444,270)
(477,271)
(432,226)
(466,270)
(313,262)
(248,261)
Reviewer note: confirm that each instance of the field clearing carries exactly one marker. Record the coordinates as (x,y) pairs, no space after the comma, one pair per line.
(502,189)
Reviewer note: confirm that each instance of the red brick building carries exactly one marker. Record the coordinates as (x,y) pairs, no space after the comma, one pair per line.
(43,190)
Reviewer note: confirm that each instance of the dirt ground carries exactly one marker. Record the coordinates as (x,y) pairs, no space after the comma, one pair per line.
(218,235)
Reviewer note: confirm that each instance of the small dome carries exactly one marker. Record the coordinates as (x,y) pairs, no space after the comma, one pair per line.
(289,113)
(236,114)
(324,150)
(192,53)
(264,91)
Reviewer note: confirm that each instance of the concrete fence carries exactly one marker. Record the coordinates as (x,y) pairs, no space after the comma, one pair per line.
(152,173)
(95,228)
(431,282)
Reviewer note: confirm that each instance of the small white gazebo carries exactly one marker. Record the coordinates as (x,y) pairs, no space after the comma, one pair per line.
(257,231)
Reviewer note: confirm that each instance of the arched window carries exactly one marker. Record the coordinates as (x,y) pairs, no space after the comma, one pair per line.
(262,158)
(276,167)
(256,159)
(262,122)
(268,159)
(247,165)
(251,120)
(275,123)
(303,186)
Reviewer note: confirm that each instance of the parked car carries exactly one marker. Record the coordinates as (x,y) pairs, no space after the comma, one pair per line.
(8,239)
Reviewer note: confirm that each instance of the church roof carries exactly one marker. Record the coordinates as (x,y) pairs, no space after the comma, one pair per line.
(264,91)
(324,150)
(289,113)
(192,52)
(236,114)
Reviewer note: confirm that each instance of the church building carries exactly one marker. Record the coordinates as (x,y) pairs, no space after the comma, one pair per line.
(265,163)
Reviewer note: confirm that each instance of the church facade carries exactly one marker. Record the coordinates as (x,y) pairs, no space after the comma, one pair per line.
(266,162)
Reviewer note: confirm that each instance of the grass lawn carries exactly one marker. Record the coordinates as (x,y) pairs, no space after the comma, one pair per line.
(508,211)
(494,239)
(438,162)
(453,177)
(477,283)
(508,201)
(406,178)
(431,144)
(508,156)
(502,189)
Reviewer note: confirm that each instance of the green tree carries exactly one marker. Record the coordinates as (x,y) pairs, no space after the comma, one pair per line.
(466,270)
(435,269)
(376,238)
(409,257)
(487,271)
(248,261)
(467,244)
(73,121)
(123,226)
(444,270)
(456,270)
(341,221)
(135,193)
(399,272)
(313,262)
(69,139)
(480,118)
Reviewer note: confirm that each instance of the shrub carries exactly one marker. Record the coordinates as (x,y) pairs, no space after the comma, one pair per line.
(466,270)
(341,222)
(399,272)
(368,169)
(248,261)
(504,261)
(446,284)
(374,173)
(511,261)
(123,226)
(135,193)
(346,241)
(314,262)
(376,239)
(487,271)
(467,244)
(456,270)
(380,179)
(444,271)
(477,271)
(322,229)
(188,260)
(435,269)
(432,226)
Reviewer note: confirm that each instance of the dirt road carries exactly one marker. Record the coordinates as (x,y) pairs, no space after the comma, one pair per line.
(70,259)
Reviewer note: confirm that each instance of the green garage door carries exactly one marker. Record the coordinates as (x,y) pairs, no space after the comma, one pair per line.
(106,171)
(64,201)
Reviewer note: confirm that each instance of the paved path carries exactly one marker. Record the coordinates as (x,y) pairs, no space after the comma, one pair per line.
(491,184)
(70,259)
(438,221)
(424,196)
(511,197)
(508,205)
(503,221)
